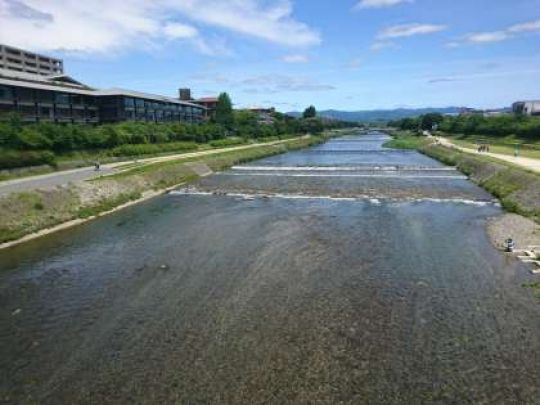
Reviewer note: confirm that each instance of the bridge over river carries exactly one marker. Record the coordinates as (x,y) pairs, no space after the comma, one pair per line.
(344,273)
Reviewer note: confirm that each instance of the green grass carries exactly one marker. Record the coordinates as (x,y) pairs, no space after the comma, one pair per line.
(406,140)
(503,145)
(517,189)
(108,204)
(25,213)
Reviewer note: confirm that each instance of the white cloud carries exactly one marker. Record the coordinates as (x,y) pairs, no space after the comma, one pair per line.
(381,45)
(176,30)
(354,64)
(409,30)
(486,37)
(526,27)
(277,83)
(110,25)
(379,3)
(295,58)
(497,36)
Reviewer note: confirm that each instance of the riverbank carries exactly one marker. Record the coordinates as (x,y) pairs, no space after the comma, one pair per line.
(517,189)
(27,215)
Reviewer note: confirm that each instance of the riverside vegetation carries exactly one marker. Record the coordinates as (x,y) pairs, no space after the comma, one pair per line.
(25,213)
(25,145)
(517,189)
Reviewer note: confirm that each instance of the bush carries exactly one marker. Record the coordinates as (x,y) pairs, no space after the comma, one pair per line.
(149,149)
(222,143)
(11,159)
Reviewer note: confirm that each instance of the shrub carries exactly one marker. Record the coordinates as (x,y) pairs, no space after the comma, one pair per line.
(11,159)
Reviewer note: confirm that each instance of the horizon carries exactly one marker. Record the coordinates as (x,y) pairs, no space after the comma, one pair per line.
(362,55)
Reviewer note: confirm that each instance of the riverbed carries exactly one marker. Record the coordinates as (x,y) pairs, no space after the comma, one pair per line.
(343,273)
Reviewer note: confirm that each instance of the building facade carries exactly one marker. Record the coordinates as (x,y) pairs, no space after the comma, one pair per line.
(60,98)
(210,104)
(19,60)
(531,108)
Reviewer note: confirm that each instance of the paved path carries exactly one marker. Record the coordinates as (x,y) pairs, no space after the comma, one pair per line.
(51,180)
(527,163)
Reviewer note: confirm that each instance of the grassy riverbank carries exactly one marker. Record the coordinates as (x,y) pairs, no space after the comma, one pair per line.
(26,213)
(517,189)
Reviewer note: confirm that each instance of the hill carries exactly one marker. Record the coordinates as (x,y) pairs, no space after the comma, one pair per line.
(380,115)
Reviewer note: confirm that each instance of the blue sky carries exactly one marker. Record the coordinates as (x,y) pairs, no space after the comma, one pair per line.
(347,54)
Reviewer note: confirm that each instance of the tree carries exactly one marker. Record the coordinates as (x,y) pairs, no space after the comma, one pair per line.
(429,120)
(224,111)
(310,112)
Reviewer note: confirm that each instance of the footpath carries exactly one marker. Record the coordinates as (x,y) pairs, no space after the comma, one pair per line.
(526,163)
(51,180)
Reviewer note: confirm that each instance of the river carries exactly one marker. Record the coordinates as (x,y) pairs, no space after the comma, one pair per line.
(343,273)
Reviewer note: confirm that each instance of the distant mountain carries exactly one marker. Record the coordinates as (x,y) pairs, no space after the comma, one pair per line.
(380,115)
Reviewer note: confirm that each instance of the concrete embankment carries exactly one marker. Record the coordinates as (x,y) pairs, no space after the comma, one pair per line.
(27,215)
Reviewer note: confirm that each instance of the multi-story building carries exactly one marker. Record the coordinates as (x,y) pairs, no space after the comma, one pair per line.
(264,115)
(60,98)
(210,103)
(531,107)
(20,60)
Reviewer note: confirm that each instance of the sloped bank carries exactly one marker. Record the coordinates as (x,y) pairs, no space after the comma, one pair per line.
(27,215)
(516,188)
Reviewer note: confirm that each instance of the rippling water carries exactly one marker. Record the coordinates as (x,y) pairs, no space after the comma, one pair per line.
(315,276)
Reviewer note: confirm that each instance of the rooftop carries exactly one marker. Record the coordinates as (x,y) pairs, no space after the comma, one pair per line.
(67,83)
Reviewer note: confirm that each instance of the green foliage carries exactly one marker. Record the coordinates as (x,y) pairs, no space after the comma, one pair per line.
(310,112)
(152,149)
(11,159)
(38,143)
(406,141)
(526,128)
(224,111)
(428,121)
(222,143)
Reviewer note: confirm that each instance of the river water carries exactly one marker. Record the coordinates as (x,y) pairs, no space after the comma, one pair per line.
(344,273)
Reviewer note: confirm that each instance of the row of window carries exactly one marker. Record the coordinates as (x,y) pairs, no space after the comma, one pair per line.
(113,108)
(139,104)
(159,116)
(26,95)
(50,113)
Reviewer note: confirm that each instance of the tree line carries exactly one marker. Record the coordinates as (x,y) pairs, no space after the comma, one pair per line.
(475,124)
(131,136)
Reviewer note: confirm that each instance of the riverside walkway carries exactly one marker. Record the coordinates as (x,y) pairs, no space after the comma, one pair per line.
(526,163)
(61,178)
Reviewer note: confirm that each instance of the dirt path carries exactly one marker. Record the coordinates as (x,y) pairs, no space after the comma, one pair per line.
(57,179)
(527,163)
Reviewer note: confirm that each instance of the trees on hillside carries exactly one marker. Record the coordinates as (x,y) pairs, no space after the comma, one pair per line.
(310,112)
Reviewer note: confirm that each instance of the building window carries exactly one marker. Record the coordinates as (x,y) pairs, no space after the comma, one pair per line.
(43,96)
(25,95)
(63,113)
(6,93)
(61,98)
(129,102)
(77,99)
(45,112)
(27,110)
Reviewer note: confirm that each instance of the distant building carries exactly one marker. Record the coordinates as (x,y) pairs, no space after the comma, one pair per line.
(210,103)
(45,94)
(264,115)
(530,108)
(19,60)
